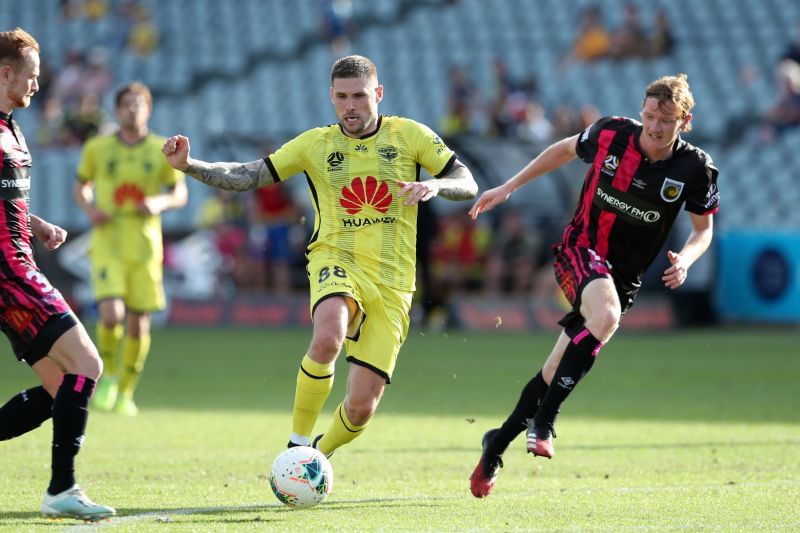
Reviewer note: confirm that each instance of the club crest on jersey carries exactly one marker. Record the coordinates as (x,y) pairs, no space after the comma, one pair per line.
(610,165)
(389,153)
(363,193)
(671,190)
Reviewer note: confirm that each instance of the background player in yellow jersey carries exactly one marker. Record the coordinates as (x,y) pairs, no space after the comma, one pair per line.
(124,184)
(363,178)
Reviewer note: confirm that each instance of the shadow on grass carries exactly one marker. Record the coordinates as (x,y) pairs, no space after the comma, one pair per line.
(600,447)
(267,513)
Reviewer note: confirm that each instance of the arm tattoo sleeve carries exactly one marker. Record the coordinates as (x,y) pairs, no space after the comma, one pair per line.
(458,184)
(231,176)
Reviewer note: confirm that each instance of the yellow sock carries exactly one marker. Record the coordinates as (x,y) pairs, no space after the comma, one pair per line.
(340,432)
(134,354)
(108,340)
(314,384)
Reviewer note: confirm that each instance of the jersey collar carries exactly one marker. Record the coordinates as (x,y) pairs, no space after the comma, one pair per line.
(368,135)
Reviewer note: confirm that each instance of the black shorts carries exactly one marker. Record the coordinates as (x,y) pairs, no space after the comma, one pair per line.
(31,351)
(574,268)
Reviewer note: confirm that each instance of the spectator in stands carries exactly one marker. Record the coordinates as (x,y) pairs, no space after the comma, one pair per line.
(536,127)
(512,259)
(224,216)
(96,77)
(460,102)
(67,83)
(336,21)
(121,22)
(273,212)
(784,113)
(629,40)
(793,48)
(95,10)
(52,130)
(85,120)
(661,39)
(144,36)
(594,40)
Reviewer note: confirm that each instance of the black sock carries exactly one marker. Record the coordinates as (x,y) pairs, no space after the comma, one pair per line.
(576,362)
(69,423)
(24,412)
(515,424)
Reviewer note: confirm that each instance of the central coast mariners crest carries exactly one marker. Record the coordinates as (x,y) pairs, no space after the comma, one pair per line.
(671,189)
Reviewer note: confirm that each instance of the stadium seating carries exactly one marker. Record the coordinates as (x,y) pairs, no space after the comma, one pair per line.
(259,69)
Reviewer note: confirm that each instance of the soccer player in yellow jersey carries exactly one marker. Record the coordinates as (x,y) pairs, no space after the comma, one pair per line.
(363,176)
(124,184)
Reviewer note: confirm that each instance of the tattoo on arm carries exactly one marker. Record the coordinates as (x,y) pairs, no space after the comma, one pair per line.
(458,183)
(231,176)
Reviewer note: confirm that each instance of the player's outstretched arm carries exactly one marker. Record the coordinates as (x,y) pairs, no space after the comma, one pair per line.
(228,176)
(457,184)
(555,155)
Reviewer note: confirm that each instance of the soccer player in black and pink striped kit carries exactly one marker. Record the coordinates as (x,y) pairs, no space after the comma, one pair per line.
(641,175)
(34,316)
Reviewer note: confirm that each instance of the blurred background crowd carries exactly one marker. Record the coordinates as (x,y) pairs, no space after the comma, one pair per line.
(498,79)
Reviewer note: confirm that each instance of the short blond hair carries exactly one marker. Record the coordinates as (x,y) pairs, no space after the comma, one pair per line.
(13,45)
(673,89)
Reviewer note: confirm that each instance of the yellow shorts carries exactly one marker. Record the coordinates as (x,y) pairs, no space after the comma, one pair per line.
(379,315)
(140,284)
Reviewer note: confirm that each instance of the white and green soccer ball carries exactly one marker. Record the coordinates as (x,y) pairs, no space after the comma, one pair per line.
(301,477)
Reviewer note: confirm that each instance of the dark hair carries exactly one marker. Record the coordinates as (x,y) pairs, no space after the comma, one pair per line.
(354,67)
(135,87)
(12,46)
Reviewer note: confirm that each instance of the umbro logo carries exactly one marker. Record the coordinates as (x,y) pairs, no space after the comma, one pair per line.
(566,382)
(639,183)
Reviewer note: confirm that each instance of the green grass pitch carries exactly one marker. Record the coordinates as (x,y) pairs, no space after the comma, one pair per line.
(693,430)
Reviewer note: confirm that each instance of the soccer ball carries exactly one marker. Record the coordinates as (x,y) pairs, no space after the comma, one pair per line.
(301,477)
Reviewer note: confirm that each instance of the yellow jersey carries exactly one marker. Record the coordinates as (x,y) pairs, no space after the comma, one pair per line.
(359,217)
(123,175)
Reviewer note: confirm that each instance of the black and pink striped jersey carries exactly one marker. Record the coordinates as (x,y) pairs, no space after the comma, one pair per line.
(628,204)
(15,184)
(33,314)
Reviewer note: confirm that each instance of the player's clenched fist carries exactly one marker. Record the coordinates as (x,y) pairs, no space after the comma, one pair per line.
(176,150)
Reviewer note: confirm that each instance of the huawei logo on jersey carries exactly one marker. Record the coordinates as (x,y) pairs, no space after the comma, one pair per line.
(129,191)
(361,193)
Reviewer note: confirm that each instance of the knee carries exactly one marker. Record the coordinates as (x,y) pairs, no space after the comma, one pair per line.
(604,323)
(360,409)
(325,346)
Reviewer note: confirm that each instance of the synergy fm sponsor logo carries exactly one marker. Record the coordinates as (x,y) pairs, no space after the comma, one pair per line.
(630,211)
(362,193)
(16,183)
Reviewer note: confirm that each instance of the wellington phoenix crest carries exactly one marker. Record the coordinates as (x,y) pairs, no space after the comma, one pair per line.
(362,193)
